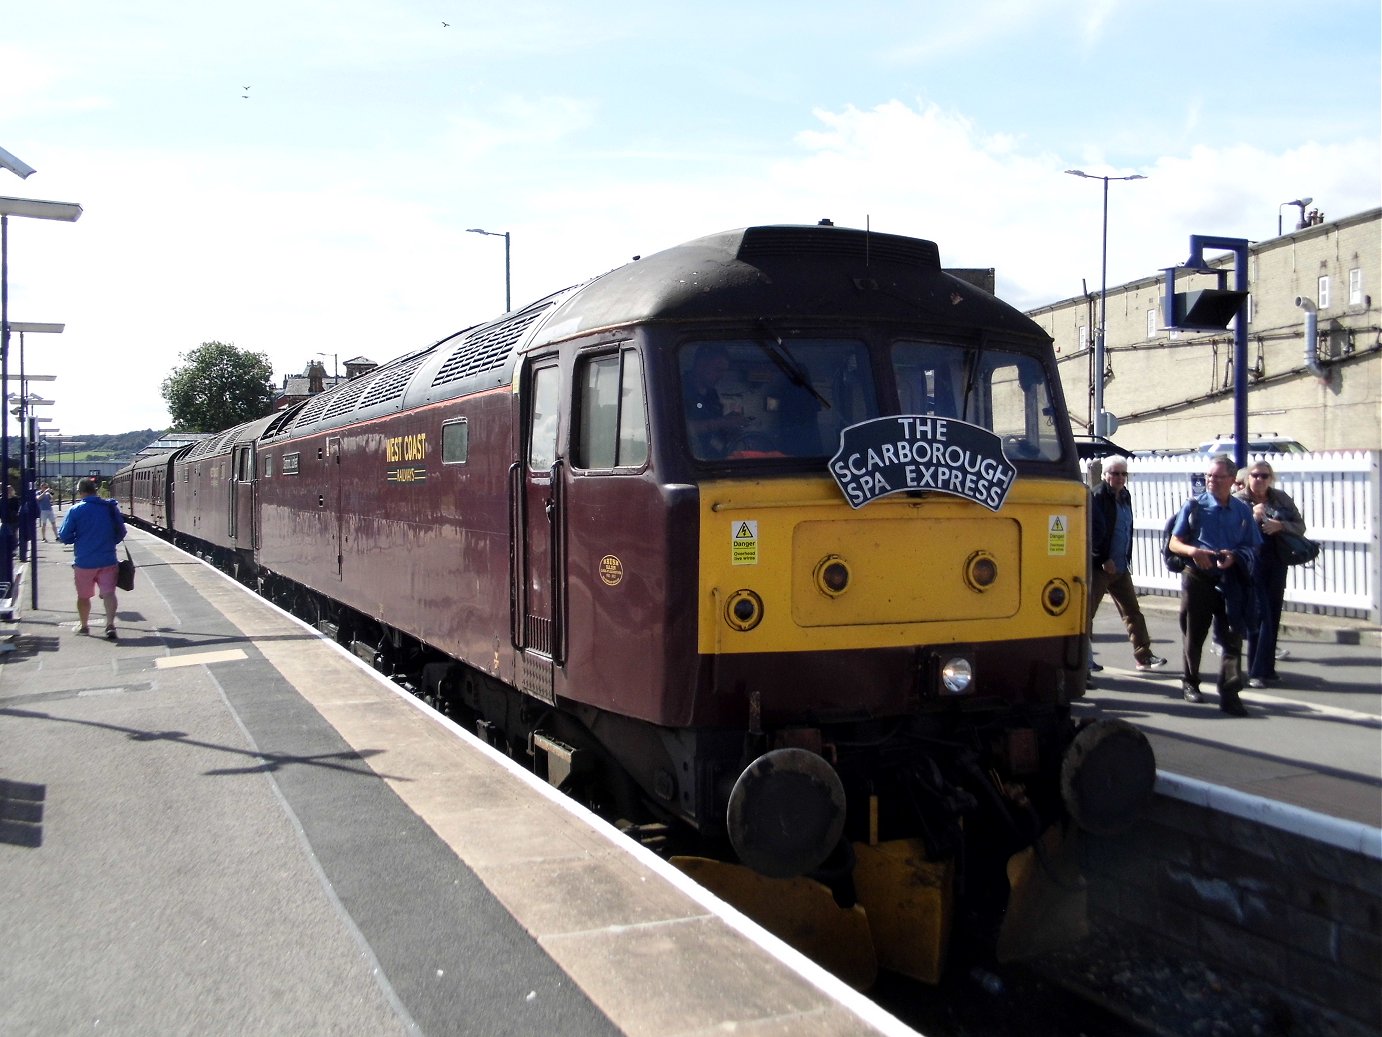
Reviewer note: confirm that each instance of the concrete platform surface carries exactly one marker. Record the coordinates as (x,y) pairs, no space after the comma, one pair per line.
(223,824)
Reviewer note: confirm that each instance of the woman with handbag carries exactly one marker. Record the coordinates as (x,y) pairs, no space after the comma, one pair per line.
(93,527)
(1276,513)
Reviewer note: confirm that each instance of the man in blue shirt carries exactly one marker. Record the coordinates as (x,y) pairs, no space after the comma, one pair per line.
(93,526)
(1220,538)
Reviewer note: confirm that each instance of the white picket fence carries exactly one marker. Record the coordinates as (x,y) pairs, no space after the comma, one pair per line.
(1338,496)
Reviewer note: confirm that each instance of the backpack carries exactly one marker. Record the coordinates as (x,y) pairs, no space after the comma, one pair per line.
(1174,562)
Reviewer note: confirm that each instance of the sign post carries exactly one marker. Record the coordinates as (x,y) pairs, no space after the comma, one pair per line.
(1210,310)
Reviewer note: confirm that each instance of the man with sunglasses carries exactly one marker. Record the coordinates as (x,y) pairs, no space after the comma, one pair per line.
(1110,572)
(1220,542)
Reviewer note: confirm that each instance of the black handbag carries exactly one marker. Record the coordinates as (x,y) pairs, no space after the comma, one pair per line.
(1294,549)
(124,579)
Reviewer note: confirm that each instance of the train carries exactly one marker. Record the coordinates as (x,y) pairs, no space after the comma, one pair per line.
(770,547)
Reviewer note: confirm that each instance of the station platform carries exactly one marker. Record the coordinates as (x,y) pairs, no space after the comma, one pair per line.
(1307,758)
(222,823)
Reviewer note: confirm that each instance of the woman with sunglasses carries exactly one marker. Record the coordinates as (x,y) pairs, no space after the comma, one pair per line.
(1274,511)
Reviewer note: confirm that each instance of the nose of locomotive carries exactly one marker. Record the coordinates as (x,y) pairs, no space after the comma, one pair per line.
(786,813)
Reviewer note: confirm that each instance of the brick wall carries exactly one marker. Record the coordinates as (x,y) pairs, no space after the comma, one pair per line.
(1297,914)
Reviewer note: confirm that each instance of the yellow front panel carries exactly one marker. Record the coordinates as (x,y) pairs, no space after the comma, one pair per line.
(903,570)
(906,559)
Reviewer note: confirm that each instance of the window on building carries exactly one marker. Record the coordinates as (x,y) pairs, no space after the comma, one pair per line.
(1084,337)
(1151,323)
(1355,286)
(1322,299)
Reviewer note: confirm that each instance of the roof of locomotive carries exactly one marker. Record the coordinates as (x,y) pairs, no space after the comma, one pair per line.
(220,444)
(772,272)
(785,272)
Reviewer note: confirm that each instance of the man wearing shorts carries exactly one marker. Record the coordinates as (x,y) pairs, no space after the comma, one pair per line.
(93,526)
(45,513)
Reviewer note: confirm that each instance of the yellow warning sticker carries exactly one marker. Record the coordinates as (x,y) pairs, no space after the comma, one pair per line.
(1057,528)
(744,542)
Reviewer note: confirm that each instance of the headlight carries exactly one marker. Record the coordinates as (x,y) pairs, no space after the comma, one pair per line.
(957,675)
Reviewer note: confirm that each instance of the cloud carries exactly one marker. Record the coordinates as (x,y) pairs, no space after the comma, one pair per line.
(293,251)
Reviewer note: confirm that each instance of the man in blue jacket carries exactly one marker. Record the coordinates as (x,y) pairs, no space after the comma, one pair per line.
(93,526)
(1216,588)
(1110,571)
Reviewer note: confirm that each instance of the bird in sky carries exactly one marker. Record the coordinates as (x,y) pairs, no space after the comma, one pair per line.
(446,25)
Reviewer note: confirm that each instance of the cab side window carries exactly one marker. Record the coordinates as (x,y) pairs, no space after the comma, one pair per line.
(613,430)
(542,441)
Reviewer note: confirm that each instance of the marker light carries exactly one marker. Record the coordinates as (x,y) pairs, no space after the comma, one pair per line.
(981,571)
(744,610)
(832,576)
(1055,597)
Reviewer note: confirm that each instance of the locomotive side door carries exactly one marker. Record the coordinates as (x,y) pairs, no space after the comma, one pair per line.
(242,496)
(537,515)
(333,498)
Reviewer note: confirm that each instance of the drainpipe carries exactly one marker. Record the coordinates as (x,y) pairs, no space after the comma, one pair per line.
(1312,338)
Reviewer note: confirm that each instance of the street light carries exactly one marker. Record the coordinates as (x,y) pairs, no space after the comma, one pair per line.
(32,208)
(1100,419)
(505,235)
(28,452)
(1300,224)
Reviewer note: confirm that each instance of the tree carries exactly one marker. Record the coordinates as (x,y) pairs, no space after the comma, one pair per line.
(218,386)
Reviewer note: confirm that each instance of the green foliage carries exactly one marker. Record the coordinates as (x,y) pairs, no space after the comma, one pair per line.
(103,447)
(218,386)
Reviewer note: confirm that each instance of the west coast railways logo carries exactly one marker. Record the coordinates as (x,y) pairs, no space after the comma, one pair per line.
(404,449)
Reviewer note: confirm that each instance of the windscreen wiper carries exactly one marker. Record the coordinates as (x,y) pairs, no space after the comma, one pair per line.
(974,360)
(786,363)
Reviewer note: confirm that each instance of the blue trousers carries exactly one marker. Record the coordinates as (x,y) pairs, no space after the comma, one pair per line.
(1269,585)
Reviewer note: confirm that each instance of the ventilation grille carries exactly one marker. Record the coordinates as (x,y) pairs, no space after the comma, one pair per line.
(310,413)
(391,382)
(819,241)
(345,399)
(486,348)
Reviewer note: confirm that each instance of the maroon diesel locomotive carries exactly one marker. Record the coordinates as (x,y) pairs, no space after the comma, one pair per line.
(775,538)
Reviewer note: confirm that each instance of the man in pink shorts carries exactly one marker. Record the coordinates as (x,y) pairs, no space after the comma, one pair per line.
(93,526)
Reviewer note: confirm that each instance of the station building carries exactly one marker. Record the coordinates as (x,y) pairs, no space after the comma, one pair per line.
(1172,390)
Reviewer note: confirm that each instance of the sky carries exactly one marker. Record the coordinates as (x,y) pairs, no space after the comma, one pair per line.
(298,177)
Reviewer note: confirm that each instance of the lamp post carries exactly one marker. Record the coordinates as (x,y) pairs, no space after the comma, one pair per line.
(1100,419)
(47,437)
(1300,223)
(39,210)
(508,305)
(28,536)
